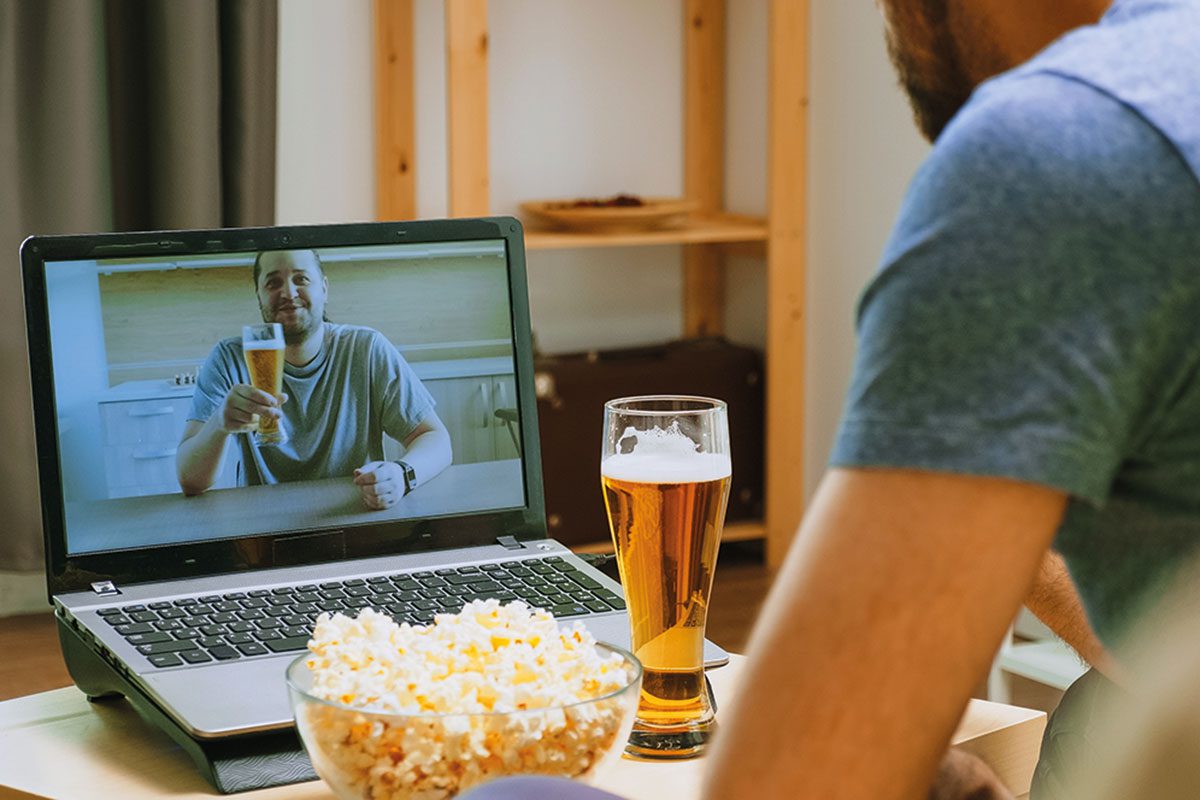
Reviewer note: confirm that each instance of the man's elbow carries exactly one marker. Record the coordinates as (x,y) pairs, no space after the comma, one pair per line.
(190,484)
(192,488)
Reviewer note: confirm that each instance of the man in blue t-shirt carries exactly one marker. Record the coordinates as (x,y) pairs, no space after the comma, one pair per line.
(1027,379)
(344,387)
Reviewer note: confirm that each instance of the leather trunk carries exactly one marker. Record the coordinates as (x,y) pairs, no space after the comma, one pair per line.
(572,390)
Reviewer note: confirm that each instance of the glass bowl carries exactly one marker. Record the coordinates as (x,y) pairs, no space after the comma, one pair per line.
(366,754)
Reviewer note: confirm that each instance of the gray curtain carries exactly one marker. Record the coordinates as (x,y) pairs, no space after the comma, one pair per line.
(119,115)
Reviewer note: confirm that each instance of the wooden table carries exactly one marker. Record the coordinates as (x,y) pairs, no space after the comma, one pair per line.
(297,505)
(57,745)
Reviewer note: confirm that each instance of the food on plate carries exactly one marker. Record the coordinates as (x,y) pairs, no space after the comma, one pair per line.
(617,201)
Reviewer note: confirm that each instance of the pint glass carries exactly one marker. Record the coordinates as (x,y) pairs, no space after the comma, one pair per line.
(665,473)
(263,346)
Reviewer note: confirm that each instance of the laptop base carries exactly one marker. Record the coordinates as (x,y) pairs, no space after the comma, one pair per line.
(235,764)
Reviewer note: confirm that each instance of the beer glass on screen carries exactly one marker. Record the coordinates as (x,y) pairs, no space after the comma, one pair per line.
(263,346)
(665,471)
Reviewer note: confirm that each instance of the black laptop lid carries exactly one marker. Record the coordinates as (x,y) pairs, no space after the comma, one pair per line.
(121,325)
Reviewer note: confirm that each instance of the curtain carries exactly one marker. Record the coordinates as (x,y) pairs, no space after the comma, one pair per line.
(119,115)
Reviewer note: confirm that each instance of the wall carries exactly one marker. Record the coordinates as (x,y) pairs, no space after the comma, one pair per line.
(863,150)
(431,308)
(325,134)
(587,103)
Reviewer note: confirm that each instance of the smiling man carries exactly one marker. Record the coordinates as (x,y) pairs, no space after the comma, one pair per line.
(344,386)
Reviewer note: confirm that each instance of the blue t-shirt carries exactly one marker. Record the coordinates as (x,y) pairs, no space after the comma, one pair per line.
(1037,312)
(339,405)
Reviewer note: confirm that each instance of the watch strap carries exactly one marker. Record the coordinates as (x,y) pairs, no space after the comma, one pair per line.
(410,476)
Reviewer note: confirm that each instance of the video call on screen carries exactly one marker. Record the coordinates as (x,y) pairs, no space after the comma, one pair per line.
(129,338)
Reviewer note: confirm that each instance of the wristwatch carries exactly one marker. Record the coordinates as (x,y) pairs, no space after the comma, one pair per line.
(410,476)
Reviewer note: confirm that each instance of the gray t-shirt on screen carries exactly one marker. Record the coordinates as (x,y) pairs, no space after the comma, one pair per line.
(1037,312)
(338,408)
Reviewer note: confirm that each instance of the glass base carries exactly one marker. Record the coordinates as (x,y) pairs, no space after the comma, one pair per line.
(272,439)
(674,743)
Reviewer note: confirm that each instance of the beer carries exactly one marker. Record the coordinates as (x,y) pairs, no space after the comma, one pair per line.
(666,510)
(264,360)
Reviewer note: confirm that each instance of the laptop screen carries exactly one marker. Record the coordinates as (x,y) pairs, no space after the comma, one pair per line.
(388,394)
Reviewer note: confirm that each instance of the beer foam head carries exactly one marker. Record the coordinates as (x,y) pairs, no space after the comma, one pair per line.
(663,456)
(269,344)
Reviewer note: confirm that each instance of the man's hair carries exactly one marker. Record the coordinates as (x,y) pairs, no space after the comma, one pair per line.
(258,262)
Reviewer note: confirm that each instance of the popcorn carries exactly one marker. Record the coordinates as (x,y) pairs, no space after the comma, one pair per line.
(493,690)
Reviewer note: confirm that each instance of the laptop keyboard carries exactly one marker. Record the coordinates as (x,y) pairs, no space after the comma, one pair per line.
(225,627)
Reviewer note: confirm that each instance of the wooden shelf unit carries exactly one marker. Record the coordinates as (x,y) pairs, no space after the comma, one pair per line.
(706,238)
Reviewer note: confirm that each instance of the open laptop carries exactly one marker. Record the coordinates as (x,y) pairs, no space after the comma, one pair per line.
(197,603)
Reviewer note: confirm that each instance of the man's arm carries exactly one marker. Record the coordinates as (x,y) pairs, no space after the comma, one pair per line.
(889,607)
(203,443)
(1055,601)
(426,449)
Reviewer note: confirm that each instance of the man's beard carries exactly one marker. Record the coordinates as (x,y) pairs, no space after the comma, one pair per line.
(936,84)
(300,328)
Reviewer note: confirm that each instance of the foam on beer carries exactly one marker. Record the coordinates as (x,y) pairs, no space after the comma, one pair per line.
(263,344)
(664,456)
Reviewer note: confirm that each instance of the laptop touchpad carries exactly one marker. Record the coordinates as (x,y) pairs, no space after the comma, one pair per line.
(253,695)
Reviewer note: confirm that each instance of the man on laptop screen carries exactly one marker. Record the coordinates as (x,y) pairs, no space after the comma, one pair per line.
(148,462)
(345,386)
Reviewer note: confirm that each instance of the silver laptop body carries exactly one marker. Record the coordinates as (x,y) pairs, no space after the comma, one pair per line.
(199,603)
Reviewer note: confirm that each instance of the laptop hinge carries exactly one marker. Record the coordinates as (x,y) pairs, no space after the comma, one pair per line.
(105,588)
(510,543)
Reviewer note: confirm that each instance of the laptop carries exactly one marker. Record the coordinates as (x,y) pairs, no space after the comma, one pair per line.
(193,603)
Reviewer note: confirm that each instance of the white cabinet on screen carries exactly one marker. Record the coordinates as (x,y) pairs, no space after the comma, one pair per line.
(479,411)
(142,423)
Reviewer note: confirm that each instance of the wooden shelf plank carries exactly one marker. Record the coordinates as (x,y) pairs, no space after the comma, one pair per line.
(395,160)
(734,532)
(467,107)
(743,531)
(697,230)
(786,147)
(704,160)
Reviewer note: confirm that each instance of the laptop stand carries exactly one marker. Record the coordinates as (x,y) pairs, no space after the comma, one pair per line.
(235,764)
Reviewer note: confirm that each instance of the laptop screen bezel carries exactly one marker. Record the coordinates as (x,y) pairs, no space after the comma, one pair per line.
(78,572)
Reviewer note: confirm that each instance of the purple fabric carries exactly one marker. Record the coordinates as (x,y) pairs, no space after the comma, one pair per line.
(537,788)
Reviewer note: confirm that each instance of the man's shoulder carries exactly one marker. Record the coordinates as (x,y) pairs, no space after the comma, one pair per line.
(1143,56)
(1047,168)
(230,347)
(360,339)
(1029,119)
(1136,41)
(352,333)
(1033,143)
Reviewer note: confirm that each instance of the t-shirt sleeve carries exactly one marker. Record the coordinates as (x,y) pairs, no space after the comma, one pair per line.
(213,382)
(404,400)
(1021,323)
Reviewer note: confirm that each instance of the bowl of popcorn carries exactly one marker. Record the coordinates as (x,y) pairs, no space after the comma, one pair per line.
(391,711)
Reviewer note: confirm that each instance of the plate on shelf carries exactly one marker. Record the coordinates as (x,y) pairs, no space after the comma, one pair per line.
(611,214)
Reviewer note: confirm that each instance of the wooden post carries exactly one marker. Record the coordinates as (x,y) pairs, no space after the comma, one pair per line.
(787,148)
(467,106)
(704,160)
(395,153)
